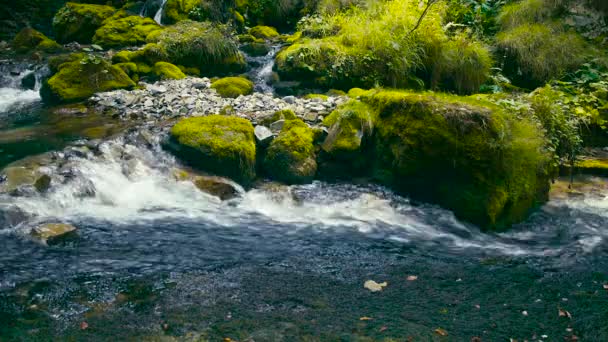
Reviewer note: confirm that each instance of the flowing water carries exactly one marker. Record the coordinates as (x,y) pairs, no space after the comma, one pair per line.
(158,17)
(261,71)
(156,258)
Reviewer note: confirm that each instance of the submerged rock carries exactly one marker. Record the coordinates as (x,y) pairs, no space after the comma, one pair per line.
(50,232)
(223,145)
(20,180)
(217,186)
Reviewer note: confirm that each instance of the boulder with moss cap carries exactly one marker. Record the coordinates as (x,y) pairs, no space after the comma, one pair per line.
(233,87)
(168,71)
(28,40)
(121,30)
(78,22)
(291,157)
(223,145)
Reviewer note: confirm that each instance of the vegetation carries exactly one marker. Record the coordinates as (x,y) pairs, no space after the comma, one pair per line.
(78,22)
(29,40)
(121,31)
(263,32)
(233,86)
(224,145)
(168,71)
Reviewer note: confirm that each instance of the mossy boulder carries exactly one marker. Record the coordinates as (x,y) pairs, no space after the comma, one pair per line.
(150,54)
(592,166)
(291,158)
(348,126)
(78,22)
(125,31)
(223,145)
(211,48)
(56,62)
(76,81)
(233,87)
(264,32)
(168,71)
(29,40)
(462,153)
(285,114)
(178,10)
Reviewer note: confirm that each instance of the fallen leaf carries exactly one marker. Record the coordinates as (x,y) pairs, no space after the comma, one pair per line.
(373,286)
(564,313)
(383,328)
(412,278)
(365,318)
(84,326)
(441,332)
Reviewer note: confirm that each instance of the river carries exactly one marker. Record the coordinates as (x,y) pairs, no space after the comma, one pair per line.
(155,259)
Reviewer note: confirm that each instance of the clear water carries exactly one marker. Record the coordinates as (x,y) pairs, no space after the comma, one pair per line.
(157,259)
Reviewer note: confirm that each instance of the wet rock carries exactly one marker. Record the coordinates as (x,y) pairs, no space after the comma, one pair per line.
(12,216)
(217,186)
(263,135)
(51,232)
(29,81)
(23,180)
(290,99)
(277,126)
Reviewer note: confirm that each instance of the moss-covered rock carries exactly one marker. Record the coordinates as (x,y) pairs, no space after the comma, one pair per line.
(78,22)
(285,114)
(224,145)
(233,87)
(290,158)
(168,71)
(590,166)
(264,32)
(178,10)
(348,126)
(79,80)
(121,31)
(56,62)
(462,153)
(29,40)
(212,49)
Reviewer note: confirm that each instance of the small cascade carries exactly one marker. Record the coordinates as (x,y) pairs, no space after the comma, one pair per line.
(158,17)
(20,85)
(261,73)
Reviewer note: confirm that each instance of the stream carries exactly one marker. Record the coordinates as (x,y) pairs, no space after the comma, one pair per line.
(155,258)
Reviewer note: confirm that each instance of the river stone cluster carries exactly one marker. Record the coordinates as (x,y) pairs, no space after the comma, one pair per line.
(195,97)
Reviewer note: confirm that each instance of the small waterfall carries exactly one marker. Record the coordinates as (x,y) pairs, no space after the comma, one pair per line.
(158,17)
(20,85)
(261,72)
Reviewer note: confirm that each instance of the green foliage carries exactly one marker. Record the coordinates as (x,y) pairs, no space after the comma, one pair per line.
(263,32)
(528,11)
(542,51)
(29,40)
(476,15)
(168,71)
(290,158)
(78,22)
(210,48)
(178,10)
(337,51)
(224,145)
(76,81)
(464,153)
(127,31)
(233,86)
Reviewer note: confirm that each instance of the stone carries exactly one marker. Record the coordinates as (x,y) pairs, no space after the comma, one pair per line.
(290,99)
(29,81)
(311,117)
(156,89)
(50,232)
(217,186)
(277,126)
(263,135)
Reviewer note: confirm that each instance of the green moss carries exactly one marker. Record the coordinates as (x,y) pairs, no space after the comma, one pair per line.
(256,49)
(349,125)
(144,69)
(210,48)
(56,62)
(127,31)
(335,92)
(290,158)
(78,22)
(129,68)
(29,40)
(150,54)
(317,96)
(168,71)
(597,167)
(79,80)
(357,92)
(178,10)
(463,153)
(527,11)
(264,32)
(224,145)
(122,56)
(233,86)
(285,114)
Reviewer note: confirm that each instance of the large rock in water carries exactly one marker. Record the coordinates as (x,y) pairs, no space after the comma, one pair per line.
(464,154)
(223,145)
(51,232)
(78,22)
(290,158)
(79,80)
